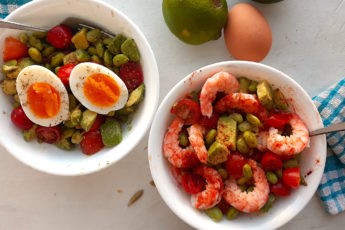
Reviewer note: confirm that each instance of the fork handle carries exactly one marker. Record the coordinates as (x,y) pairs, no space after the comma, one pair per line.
(19,26)
(329,129)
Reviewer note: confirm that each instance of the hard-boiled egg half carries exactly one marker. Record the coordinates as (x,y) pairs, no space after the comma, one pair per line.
(42,95)
(98,88)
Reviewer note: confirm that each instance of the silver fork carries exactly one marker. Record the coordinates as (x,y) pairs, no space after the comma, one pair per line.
(74,23)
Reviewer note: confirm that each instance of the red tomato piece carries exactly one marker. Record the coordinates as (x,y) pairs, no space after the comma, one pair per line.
(60,36)
(14,49)
(271,162)
(64,73)
(234,165)
(209,123)
(48,135)
(223,206)
(91,142)
(20,120)
(280,189)
(98,122)
(188,110)
(278,120)
(131,74)
(192,183)
(292,177)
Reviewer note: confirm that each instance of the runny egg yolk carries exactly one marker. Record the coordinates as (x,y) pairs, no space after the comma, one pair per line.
(44,100)
(101,90)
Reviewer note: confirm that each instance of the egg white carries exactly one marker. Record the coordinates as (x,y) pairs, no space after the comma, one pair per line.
(35,73)
(77,80)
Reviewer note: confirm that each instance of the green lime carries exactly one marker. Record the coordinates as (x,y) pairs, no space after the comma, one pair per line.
(195,21)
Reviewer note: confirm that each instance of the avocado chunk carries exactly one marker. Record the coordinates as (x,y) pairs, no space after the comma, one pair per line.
(79,39)
(264,91)
(30,134)
(87,119)
(217,153)
(227,132)
(70,58)
(279,100)
(64,144)
(136,96)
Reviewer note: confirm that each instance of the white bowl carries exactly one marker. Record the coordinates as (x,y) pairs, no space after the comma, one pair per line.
(284,209)
(48,158)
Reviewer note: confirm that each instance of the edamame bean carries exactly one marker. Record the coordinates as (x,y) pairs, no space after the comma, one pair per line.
(35,42)
(120,59)
(292,163)
(183,140)
(57,59)
(91,50)
(250,139)
(35,54)
(111,132)
(99,49)
(223,173)
(39,35)
(106,41)
(244,126)
(96,59)
(130,49)
(242,181)
(48,66)
(231,213)
(242,146)
(93,35)
(247,171)
(23,37)
(114,46)
(269,203)
(254,120)
(215,214)
(271,177)
(211,136)
(108,59)
(252,86)
(82,55)
(244,83)
(48,51)
(237,117)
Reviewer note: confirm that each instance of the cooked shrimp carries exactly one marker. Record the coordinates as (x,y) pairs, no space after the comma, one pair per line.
(251,201)
(248,103)
(220,82)
(177,156)
(212,194)
(196,139)
(289,145)
(262,140)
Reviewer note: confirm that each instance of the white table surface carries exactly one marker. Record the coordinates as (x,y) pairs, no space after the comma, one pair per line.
(308,45)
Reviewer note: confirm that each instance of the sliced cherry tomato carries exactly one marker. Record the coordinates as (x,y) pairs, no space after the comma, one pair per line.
(48,135)
(234,165)
(91,142)
(209,123)
(188,110)
(223,206)
(257,156)
(14,49)
(278,120)
(192,183)
(292,177)
(280,189)
(131,74)
(271,162)
(20,120)
(60,36)
(99,120)
(64,73)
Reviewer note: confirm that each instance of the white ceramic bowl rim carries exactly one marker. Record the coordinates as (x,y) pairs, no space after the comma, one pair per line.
(158,164)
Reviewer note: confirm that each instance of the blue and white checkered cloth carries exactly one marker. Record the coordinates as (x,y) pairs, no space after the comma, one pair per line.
(7,6)
(331,105)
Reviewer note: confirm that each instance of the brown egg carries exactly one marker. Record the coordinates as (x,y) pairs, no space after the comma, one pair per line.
(247,34)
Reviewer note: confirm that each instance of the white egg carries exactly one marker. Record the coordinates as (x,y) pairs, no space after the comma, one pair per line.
(42,95)
(98,88)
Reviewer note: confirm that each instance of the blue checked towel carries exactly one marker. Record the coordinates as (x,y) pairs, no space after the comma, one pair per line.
(7,6)
(331,105)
